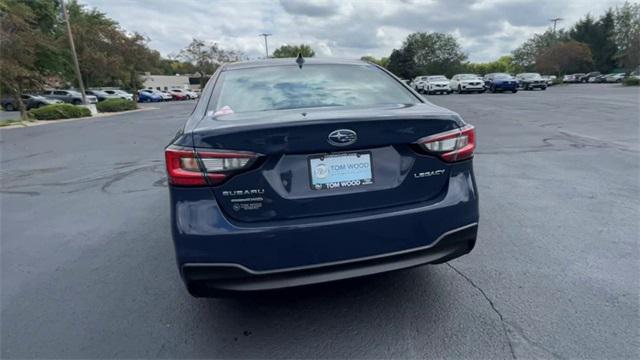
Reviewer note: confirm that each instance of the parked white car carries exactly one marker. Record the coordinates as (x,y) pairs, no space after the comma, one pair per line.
(613,78)
(437,84)
(466,83)
(549,79)
(418,83)
(120,94)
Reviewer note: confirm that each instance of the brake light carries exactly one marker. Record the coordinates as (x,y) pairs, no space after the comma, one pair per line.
(450,146)
(191,168)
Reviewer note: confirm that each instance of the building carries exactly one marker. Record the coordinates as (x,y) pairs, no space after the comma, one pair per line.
(166,82)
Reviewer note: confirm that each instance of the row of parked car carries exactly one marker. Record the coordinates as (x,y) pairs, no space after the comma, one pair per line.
(597,77)
(93,96)
(468,83)
(155,95)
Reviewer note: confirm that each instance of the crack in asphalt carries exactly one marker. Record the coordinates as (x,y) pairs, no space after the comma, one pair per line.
(493,306)
(506,326)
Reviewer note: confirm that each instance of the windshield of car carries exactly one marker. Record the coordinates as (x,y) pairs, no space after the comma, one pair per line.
(289,87)
(530,76)
(501,76)
(437,78)
(467,77)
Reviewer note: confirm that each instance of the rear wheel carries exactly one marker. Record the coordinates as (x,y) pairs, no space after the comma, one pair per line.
(514,91)
(544,88)
(9,107)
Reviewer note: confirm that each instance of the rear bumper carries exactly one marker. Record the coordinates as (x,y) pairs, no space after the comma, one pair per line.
(211,248)
(203,277)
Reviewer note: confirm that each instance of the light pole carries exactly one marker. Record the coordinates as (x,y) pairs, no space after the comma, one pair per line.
(266,46)
(555,21)
(73,53)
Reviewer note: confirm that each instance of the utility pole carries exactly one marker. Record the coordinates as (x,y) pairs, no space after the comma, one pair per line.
(73,53)
(555,21)
(266,47)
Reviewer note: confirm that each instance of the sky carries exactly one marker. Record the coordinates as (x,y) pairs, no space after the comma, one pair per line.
(486,29)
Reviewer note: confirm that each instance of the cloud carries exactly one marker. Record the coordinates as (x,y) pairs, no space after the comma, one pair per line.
(486,29)
(310,7)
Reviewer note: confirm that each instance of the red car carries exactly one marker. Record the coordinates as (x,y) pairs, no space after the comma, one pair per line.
(177,94)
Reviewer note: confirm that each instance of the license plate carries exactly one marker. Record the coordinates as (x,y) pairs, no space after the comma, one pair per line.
(336,171)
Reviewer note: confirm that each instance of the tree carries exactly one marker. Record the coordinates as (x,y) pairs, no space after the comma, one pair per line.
(565,57)
(598,35)
(291,51)
(20,41)
(96,38)
(401,63)
(504,64)
(427,53)
(383,61)
(525,55)
(206,57)
(627,35)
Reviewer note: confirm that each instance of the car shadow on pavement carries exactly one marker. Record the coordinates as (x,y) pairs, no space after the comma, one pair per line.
(388,315)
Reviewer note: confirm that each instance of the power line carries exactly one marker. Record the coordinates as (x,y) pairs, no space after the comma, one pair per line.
(266,46)
(555,21)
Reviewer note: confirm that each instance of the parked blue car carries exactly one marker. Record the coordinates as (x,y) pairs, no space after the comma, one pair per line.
(500,82)
(296,172)
(148,96)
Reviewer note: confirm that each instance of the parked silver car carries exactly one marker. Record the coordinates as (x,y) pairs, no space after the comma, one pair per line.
(69,96)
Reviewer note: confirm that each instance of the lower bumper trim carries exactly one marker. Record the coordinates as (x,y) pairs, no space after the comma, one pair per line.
(202,278)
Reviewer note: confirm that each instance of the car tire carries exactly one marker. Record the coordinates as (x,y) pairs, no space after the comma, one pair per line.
(543,88)
(459,89)
(514,91)
(76,102)
(492,88)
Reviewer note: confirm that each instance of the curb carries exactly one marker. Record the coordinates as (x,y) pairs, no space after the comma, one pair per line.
(48,122)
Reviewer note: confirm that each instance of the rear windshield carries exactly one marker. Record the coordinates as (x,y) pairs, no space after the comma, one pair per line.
(289,87)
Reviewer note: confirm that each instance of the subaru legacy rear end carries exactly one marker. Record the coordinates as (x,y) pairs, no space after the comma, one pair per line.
(291,173)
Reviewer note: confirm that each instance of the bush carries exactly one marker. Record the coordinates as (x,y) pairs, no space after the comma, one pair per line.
(631,81)
(114,105)
(59,111)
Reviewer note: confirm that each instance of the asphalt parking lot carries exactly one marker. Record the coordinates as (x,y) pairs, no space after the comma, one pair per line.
(88,267)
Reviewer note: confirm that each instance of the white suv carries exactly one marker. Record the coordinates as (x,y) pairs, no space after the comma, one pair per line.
(437,84)
(418,83)
(467,83)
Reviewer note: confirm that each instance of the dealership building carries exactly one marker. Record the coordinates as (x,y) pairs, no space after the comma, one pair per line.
(166,82)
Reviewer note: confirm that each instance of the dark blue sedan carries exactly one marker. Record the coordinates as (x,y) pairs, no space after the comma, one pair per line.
(291,173)
(500,82)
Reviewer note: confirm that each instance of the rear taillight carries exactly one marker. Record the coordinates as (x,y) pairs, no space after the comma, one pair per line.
(450,146)
(191,168)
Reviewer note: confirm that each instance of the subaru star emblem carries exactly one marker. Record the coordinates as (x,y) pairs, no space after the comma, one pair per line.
(342,137)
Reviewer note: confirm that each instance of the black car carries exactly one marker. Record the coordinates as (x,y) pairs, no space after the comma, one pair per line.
(586,77)
(531,81)
(29,101)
